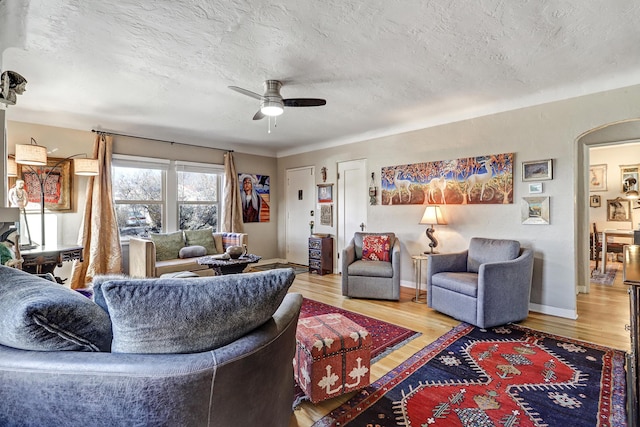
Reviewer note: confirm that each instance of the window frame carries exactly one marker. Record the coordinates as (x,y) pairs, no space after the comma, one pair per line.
(169,185)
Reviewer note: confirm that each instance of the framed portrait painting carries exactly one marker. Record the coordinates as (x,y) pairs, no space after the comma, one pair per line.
(325,193)
(255,197)
(619,210)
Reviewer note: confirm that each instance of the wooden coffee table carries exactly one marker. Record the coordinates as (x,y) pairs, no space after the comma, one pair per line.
(228,266)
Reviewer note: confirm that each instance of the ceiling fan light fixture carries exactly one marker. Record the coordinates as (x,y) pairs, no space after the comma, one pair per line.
(272,107)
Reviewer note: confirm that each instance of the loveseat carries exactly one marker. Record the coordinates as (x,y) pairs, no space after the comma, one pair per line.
(160,254)
(164,353)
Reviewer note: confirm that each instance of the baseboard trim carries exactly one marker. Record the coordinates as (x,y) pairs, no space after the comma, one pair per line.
(553,311)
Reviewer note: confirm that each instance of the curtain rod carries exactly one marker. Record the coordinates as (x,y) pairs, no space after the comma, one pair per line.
(155,139)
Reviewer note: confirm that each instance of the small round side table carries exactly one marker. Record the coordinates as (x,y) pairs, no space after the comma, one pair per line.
(417,263)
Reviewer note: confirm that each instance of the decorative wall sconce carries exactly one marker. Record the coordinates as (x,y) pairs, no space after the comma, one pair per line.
(373,191)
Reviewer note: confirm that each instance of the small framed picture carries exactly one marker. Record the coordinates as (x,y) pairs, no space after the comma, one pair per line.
(326,215)
(325,193)
(538,170)
(535,187)
(619,210)
(630,178)
(598,178)
(594,201)
(535,210)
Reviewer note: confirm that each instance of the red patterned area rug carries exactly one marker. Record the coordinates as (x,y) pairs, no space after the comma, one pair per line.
(385,337)
(505,376)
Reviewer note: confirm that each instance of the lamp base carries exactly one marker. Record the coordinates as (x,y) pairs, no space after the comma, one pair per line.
(430,236)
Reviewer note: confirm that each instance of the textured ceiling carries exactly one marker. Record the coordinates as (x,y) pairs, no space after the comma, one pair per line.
(161,69)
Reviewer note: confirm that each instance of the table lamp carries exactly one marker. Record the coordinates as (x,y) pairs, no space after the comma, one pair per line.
(432,215)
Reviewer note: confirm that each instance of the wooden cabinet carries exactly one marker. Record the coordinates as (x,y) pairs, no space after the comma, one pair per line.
(321,255)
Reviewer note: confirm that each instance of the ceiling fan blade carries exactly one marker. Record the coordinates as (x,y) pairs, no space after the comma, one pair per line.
(246,92)
(304,102)
(258,116)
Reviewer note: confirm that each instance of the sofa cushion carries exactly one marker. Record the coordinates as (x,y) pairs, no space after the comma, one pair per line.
(482,251)
(37,314)
(203,237)
(375,248)
(370,269)
(167,245)
(197,314)
(192,252)
(461,283)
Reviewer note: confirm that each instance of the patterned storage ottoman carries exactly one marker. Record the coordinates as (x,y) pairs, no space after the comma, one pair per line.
(333,356)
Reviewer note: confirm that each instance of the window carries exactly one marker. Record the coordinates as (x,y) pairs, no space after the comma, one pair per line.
(197,192)
(154,195)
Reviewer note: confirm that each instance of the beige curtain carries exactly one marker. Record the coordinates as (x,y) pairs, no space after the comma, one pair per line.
(232,212)
(99,232)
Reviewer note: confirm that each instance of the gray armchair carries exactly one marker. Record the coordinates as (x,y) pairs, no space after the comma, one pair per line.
(370,279)
(487,285)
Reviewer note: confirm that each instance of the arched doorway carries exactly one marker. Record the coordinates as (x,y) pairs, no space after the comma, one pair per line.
(626,131)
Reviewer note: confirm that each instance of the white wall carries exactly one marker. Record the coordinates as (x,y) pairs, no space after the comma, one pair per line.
(536,133)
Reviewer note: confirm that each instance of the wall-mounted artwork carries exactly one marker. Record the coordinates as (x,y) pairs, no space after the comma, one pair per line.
(472,180)
(325,193)
(255,197)
(619,210)
(58,186)
(326,215)
(630,178)
(598,178)
(535,210)
(594,201)
(538,170)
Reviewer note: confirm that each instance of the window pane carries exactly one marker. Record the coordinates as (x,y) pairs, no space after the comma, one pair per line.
(137,184)
(138,219)
(197,187)
(194,217)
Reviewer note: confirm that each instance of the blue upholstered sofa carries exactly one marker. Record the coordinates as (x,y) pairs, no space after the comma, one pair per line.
(210,351)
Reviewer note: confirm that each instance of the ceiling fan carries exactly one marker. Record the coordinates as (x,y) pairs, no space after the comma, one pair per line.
(272,103)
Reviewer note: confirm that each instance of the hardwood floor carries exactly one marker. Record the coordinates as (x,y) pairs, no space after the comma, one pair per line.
(602,316)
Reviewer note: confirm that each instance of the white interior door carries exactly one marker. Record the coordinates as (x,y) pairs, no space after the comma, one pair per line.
(300,195)
(353,195)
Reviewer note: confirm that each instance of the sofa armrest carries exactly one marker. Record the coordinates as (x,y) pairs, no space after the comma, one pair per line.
(142,258)
(348,256)
(506,284)
(438,263)
(395,260)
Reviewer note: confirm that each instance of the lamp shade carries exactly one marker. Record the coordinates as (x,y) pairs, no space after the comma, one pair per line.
(32,154)
(12,167)
(9,214)
(85,167)
(433,215)
(632,195)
